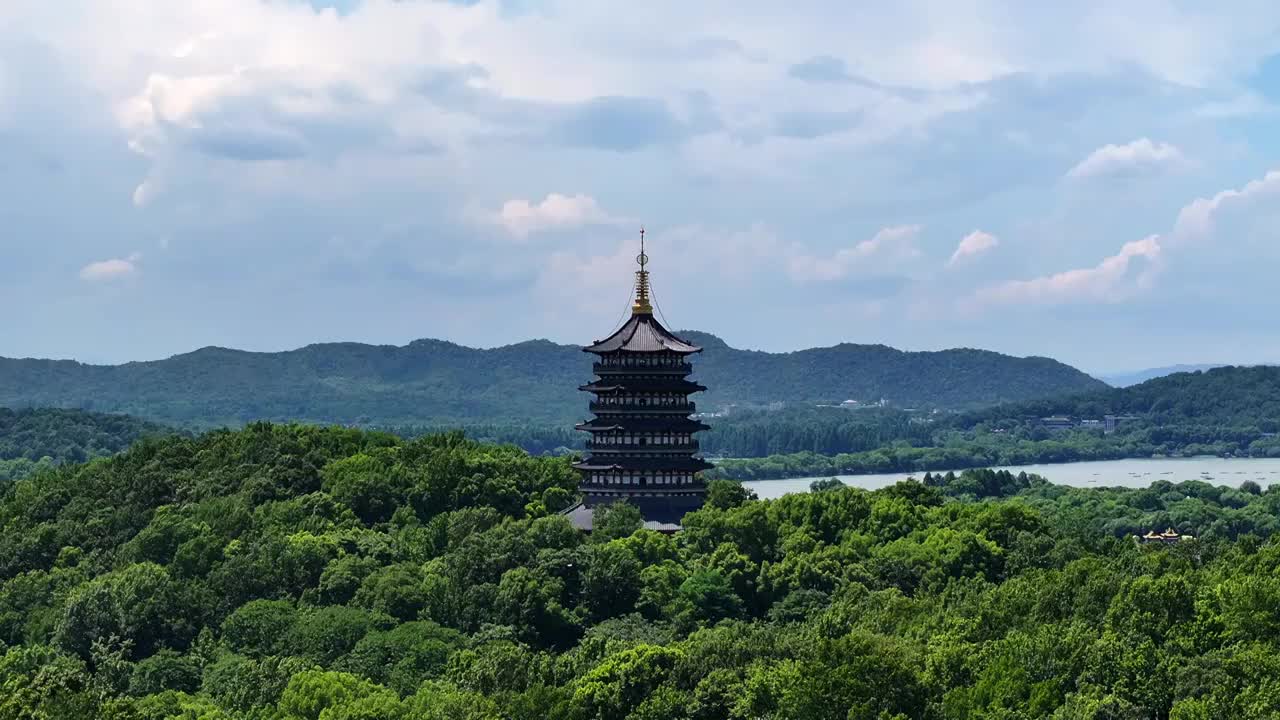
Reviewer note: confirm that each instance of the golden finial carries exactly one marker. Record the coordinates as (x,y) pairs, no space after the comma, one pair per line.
(642,306)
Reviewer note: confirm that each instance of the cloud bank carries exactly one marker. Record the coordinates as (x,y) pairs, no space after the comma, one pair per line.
(477,171)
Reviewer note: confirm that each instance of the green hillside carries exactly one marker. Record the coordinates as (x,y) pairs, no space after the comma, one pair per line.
(303,573)
(36,438)
(1228,411)
(1228,395)
(431,381)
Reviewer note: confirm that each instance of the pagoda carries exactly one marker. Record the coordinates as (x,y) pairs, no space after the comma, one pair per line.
(642,448)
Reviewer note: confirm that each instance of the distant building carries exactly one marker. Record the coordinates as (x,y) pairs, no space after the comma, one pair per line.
(1057,423)
(642,448)
(1111,422)
(1169,536)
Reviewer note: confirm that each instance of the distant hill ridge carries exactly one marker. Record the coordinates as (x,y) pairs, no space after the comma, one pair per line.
(1140,376)
(1223,396)
(436,381)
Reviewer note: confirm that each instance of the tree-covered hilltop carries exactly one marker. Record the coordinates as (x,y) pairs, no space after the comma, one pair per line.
(949,379)
(303,573)
(435,382)
(35,439)
(742,433)
(1229,411)
(1227,396)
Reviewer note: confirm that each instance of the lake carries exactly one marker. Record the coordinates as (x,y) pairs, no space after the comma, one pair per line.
(1105,473)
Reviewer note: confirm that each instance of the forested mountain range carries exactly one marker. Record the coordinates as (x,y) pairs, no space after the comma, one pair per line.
(535,382)
(1226,411)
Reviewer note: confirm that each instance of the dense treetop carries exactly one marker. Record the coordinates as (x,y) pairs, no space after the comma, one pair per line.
(31,439)
(431,381)
(300,573)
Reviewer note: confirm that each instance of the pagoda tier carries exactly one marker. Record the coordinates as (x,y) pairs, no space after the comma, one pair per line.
(642,448)
(655,430)
(658,466)
(648,384)
(642,438)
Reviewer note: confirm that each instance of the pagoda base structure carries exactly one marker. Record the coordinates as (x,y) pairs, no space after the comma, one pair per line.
(662,513)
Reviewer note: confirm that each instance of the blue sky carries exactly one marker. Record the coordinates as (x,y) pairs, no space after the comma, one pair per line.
(1097,184)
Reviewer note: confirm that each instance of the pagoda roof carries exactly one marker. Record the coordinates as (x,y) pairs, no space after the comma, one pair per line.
(642,333)
(642,425)
(689,464)
(643,384)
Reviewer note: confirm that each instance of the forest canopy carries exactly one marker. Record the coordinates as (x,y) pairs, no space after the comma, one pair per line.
(303,573)
(36,439)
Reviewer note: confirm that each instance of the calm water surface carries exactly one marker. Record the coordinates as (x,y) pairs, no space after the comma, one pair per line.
(1123,473)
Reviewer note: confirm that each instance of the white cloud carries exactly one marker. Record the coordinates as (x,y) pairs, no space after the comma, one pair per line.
(252,80)
(1138,263)
(677,255)
(889,248)
(972,245)
(1114,278)
(742,260)
(143,194)
(1196,219)
(1141,155)
(113,269)
(253,120)
(555,212)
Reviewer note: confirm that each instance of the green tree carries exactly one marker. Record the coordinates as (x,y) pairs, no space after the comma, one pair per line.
(319,695)
(611,583)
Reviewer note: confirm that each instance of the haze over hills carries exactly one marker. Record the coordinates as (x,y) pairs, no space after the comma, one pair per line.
(434,381)
(1126,379)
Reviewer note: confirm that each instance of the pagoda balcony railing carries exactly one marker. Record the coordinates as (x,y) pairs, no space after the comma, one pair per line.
(652,487)
(633,448)
(685,408)
(600,368)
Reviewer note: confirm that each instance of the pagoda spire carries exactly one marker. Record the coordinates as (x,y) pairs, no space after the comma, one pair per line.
(642,305)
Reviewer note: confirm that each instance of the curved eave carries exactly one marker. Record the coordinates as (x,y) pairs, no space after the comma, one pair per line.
(642,333)
(689,465)
(656,385)
(643,425)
